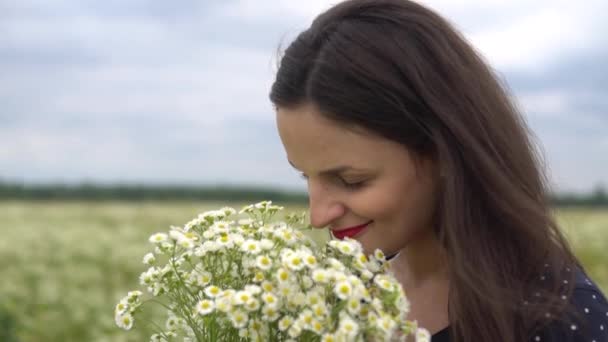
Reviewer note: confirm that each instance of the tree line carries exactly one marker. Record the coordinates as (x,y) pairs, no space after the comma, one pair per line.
(133,192)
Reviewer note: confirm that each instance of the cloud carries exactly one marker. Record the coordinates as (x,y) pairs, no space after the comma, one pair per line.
(151,91)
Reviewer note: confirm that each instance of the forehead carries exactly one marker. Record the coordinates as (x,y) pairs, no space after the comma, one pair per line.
(313,142)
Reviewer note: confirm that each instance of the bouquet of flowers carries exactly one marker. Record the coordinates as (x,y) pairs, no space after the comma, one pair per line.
(225,277)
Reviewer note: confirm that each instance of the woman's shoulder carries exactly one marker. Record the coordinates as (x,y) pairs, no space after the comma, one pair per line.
(590,321)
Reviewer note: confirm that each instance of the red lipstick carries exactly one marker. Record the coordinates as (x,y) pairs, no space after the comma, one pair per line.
(349,232)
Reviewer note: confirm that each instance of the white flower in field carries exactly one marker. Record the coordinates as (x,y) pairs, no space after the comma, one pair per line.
(316,326)
(252,304)
(384,282)
(366,275)
(263,262)
(386,324)
(241,297)
(212,291)
(343,289)
(186,243)
(283,275)
(348,327)
(328,337)
(134,296)
(239,318)
(251,246)
(295,330)
(253,289)
(422,335)
(353,306)
(298,299)
(175,234)
(270,314)
(321,276)
(319,310)
(124,321)
(224,304)
(228,211)
(205,307)
(121,307)
(172,323)
(336,264)
(149,259)
(294,261)
(267,286)
(149,277)
(245,222)
(208,234)
(158,238)
(203,278)
(270,299)
(266,244)
(157,338)
(314,297)
(285,323)
(379,255)
(305,318)
(310,260)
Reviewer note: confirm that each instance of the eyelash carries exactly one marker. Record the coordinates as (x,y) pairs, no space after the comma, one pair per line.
(345,184)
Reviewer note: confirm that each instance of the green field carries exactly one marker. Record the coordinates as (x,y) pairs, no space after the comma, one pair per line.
(65,265)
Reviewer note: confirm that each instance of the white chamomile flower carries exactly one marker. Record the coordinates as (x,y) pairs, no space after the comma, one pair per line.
(384,282)
(282,275)
(422,335)
(316,326)
(266,244)
(319,310)
(224,304)
(212,291)
(270,299)
(241,297)
(124,321)
(386,324)
(149,259)
(172,323)
(203,278)
(295,262)
(121,307)
(353,305)
(313,297)
(252,304)
(295,330)
(239,318)
(251,246)
(310,260)
(253,289)
(158,238)
(379,255)
(285,323)
(264,262)
(348,327)
(321,276)
(328,337)
(343,289)
(270,313)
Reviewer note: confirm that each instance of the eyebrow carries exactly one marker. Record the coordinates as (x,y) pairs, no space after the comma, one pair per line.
(333,171)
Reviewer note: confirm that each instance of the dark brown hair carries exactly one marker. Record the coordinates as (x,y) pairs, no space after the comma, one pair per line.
(401,71)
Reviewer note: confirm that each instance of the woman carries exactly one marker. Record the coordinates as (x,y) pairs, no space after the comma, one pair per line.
(411,145)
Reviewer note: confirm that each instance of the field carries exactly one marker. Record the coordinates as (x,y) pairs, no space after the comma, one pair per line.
(64,265)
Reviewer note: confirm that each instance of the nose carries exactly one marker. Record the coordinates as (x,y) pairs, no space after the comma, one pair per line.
(324,208)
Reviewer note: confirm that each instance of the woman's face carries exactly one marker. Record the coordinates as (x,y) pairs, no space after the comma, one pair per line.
(355,178)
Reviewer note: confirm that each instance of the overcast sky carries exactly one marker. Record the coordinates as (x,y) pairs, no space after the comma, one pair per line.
(177,91)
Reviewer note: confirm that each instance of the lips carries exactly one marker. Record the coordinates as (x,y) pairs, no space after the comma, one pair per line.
(349,232)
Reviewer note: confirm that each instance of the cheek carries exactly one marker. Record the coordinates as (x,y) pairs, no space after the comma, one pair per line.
(400,206)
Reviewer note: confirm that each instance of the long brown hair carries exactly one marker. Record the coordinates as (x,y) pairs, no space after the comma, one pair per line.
(400,70)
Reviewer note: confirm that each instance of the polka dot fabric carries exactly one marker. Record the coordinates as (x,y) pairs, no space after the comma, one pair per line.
(592,307)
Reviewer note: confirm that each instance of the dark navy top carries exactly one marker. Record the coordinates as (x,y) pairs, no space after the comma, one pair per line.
(593,307)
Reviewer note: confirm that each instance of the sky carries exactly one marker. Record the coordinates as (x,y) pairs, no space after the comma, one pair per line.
(176,92)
